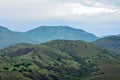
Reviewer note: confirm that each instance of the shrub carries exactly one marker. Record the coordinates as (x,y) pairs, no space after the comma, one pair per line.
(5,68)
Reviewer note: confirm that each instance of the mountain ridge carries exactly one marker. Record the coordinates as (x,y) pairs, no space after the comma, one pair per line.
(111,43)
(60,32)
(43,34)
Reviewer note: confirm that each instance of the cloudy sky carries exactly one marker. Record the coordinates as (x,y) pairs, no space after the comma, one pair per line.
(101,17)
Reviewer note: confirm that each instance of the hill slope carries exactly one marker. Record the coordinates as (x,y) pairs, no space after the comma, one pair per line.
(58,60)
(8,37)
(112,43)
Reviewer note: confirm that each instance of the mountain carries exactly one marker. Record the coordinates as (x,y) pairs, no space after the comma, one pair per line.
(4,30)
(8,37)
(58,60)
(111,42)
(46,33)
(42,34)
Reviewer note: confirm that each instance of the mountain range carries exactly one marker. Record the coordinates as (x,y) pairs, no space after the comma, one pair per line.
(58,53)
(58,60)
(111,43)
(43,34)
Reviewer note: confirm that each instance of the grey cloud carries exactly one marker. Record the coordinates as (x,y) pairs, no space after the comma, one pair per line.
(30,13)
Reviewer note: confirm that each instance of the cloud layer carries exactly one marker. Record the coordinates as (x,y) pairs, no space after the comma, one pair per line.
(93,13)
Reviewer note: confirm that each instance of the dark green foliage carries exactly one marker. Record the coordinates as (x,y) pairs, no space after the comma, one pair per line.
(14,69)
(5,68)
(24,64)
(59,59)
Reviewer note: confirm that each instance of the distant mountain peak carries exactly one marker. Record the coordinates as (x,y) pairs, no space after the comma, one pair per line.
(112,38)
(111,42)
(57,27)
(46,33)
(3,29)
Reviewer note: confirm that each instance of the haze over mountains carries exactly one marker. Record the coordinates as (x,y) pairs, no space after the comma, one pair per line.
(43,34)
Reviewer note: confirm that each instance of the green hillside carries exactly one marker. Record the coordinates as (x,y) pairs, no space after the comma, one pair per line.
(111,42)
(58,60)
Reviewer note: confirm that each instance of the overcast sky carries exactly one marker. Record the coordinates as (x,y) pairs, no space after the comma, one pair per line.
(101,17)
